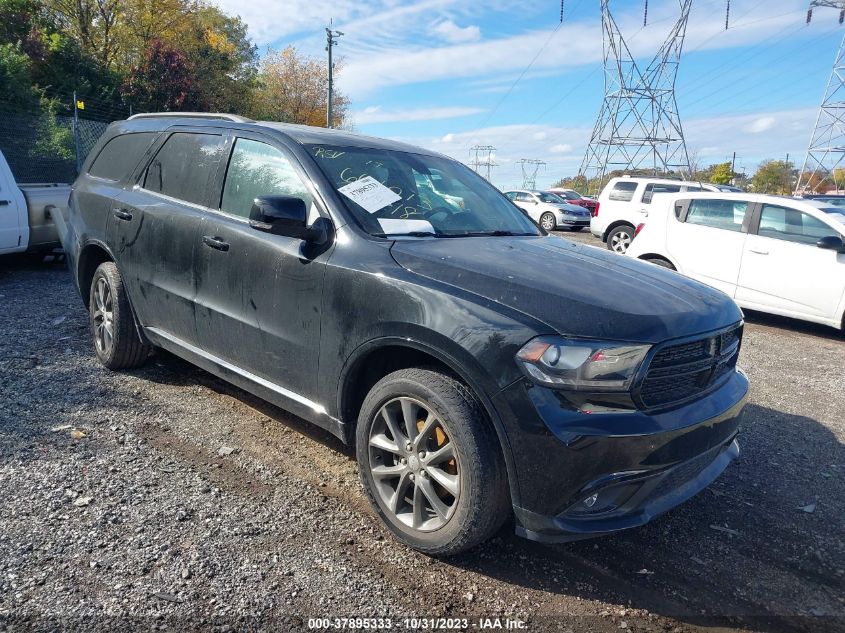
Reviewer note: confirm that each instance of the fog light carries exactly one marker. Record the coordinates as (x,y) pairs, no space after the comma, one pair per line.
(591,501)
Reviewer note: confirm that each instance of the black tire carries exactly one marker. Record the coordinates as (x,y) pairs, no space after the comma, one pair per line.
(123,348)
(482,504)
(620,238)
(659,261)
(548,221)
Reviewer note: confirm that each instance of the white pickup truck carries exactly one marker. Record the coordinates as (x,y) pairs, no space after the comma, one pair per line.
(26,223)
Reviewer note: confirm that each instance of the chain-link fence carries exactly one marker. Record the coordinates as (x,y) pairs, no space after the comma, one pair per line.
(48,141)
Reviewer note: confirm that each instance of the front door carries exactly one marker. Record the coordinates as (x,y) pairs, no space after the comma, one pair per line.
(155,229)
(11,213)
(783,270)
(707,241)
(259,296)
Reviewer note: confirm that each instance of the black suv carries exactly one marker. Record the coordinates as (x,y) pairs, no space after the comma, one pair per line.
(482,367)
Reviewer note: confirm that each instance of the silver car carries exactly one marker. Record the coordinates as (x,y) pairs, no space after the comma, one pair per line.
(550,211)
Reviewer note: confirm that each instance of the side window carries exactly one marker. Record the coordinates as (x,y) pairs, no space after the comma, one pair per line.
(719,214)
(623,191)
(522,197)
(510,194)
(258,169)
(791,225)
(182,167)
(120,155)
(652,188)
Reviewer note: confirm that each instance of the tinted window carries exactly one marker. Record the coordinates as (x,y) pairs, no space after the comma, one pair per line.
(258,169)
(719,214)
(524,197)
(782,223)
(509,194)
(121,154)
(652,188)
(623,191)
(183,166)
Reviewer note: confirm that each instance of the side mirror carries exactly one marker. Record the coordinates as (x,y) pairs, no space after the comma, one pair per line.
(281,215)
(832,243)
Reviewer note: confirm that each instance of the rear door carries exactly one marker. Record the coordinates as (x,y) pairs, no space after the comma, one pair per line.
(784,271)
(259,295)
(13,215)
(156,227)
(706,239)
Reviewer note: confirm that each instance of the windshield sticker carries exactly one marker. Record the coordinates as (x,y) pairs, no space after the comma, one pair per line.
(392,226)
(369,193)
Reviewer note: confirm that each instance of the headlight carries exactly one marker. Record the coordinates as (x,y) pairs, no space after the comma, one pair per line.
(581,364)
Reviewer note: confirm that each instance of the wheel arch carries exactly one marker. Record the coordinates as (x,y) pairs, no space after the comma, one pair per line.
(613,225)
(376,358)
(646,256)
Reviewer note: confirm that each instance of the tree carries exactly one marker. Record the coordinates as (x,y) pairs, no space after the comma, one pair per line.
(721,174)
(163,81)
(16,78)
(773,176)
(293,88)
(579,183)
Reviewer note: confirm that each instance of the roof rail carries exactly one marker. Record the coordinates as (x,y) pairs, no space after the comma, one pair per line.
(192,115)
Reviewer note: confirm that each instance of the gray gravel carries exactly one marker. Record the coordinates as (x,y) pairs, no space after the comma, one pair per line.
(162,497)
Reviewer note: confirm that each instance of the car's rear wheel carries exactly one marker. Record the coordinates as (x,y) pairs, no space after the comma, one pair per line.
(619,239)
(659,261)
(548,221)
(116,341)
(430,462)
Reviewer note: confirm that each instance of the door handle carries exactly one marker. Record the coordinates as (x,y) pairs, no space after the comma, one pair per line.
(644,212)
(3,203)
(121,214)
(758,251)
(215,243)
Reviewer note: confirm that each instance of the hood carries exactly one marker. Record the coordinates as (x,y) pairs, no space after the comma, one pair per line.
(572,208)
(574,289)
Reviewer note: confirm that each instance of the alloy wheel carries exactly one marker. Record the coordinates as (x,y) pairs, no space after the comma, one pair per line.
(103,317)
(413,464)
(547,222)
(620,242)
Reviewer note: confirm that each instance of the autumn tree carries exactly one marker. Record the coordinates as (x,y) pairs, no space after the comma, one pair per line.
(163,81)
(721,174)
(293,88)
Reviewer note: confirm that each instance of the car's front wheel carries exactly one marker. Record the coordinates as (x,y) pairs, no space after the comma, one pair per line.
(619,239)
(430,462)
(116,341)
(548,221)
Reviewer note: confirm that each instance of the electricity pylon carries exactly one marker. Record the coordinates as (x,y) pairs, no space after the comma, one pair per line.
(530,167)
(826,151)
(487,162)
(638,127)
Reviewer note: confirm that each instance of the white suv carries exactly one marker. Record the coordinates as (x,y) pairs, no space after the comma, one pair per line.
(624,203)
(767,253)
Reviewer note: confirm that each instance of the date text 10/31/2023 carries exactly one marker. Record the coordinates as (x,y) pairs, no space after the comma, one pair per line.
(416,624)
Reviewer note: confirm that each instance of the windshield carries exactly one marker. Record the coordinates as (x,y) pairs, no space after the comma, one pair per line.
(550,198)
(836,202)
(569,195)
(400,193)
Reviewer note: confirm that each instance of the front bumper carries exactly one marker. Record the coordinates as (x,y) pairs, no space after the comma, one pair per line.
(638,465)
(573,220)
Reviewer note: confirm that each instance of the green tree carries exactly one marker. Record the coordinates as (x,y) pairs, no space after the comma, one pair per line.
(16,77)
(773,176)
(721,174)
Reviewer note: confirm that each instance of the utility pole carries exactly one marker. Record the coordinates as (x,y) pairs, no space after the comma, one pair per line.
(826,151)
(331,42)
(530,167)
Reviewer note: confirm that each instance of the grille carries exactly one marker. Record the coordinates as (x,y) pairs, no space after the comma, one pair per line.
(685,472)
(682,372)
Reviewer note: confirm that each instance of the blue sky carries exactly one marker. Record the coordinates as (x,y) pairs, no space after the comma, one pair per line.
(437,73)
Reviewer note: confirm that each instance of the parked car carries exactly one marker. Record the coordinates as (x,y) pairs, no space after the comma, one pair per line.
(573,197)
(481,367)
(769,253)
(625,202)
(26,223)
(835,200)
(550,211)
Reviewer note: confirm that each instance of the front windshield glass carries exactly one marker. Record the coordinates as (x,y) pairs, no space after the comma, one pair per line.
(569,195)
(400,193)
(550,198)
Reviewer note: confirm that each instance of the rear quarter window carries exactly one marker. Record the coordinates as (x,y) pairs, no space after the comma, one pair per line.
(120,155)
(622,191)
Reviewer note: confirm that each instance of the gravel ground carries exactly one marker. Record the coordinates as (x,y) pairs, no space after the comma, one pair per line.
(164,498)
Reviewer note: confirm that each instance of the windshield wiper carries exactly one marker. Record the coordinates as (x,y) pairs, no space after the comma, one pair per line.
(488,234)
(408,234)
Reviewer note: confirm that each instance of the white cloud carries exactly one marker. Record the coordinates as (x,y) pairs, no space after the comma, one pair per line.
(455,34)
(375,114)
(560,148)
(762,124)
(539,136)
